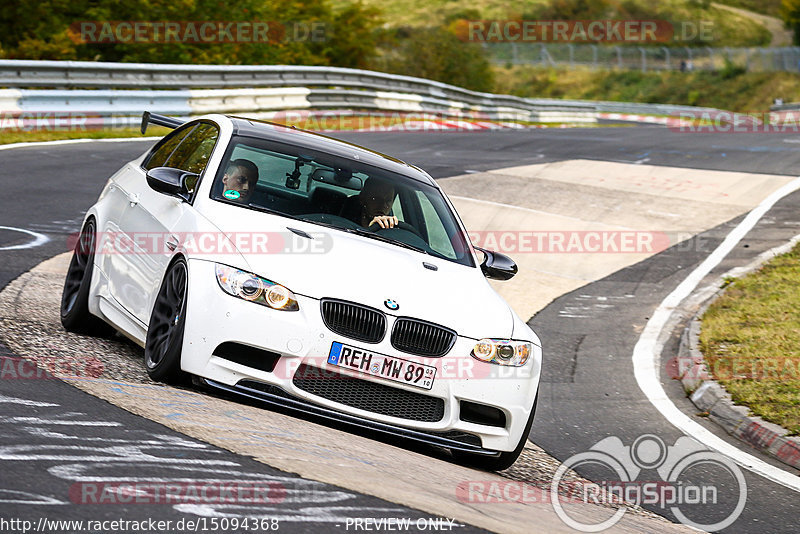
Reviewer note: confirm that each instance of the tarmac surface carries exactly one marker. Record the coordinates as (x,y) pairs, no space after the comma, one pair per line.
(687,189)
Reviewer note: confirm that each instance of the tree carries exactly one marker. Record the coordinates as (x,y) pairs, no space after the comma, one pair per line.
(790,13)
(438,54)
(352,38)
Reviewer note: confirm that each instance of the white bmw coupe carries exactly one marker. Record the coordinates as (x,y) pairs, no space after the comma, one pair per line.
(311,273)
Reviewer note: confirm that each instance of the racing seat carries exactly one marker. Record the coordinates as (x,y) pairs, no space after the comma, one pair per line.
(326,200)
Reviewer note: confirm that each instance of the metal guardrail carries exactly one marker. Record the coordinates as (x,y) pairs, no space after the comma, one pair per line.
(789,106)
(97,75)
(125,89)
(116,88)
(644,109)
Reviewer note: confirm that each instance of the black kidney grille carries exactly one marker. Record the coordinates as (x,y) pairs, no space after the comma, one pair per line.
(423,338)
(370,396)
(354,320)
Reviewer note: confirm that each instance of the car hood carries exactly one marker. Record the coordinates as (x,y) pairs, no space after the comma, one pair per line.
(335,264)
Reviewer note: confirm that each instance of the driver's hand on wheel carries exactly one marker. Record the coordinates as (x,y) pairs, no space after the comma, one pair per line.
(385,221)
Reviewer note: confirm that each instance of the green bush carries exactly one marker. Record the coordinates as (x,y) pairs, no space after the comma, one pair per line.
(437,54)
(42,30)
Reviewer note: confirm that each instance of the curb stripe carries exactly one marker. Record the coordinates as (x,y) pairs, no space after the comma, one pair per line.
(647,352)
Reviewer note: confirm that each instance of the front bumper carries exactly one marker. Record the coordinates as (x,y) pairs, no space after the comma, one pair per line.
(276,397)
(301,339)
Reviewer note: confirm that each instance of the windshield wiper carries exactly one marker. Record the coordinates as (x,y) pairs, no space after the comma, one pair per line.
(373,235)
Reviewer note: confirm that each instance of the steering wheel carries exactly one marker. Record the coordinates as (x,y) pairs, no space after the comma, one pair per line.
(375,227)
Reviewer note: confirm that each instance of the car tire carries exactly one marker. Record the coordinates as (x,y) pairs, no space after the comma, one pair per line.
(503,460)
(164,341)
(75,315)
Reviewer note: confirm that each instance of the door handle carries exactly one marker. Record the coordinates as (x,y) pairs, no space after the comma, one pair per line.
(133,198)
(172,242)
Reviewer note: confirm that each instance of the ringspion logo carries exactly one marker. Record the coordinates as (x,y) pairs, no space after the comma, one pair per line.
(702,488)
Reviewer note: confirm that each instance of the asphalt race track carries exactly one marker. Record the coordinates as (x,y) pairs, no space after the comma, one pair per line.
(588,389)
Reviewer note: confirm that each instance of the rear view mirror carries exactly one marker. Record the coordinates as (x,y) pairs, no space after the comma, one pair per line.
(341,178)
(497,266)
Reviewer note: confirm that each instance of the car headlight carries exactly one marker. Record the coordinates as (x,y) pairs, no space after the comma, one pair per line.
(502,351)
(250,287)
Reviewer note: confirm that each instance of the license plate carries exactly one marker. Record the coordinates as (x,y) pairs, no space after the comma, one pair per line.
(381,365)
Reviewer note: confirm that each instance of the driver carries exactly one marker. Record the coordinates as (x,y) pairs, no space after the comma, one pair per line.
(239,181)
(372,205)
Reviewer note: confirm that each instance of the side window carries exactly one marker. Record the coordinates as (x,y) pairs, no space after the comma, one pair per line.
(437,234)
(397,208)
(193,153)
(188,149)
(162,151)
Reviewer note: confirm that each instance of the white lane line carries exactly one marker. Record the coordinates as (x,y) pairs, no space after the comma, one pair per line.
(647,352)
(38,239)
(76,141)
(25,402)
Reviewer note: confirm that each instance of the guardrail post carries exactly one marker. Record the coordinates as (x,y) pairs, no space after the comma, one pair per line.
(619,56)
(546,56)
(669,63)
(571,49)
(644,59)
(594,56)
(514,57)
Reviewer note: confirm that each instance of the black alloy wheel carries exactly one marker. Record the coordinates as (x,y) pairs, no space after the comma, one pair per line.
(162,352)
(75,316)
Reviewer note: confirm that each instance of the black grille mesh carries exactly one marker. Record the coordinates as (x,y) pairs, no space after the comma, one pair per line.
(419,337)
(353,320)
(370,396)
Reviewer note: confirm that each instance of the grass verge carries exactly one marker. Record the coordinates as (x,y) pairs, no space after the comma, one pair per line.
(18,136)
(750,338)
(730,88)
(324,124)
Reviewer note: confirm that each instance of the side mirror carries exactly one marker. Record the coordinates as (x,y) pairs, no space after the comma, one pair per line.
(497,266)
(173,182)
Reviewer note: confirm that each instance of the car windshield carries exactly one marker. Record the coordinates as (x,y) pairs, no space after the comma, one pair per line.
(341,193)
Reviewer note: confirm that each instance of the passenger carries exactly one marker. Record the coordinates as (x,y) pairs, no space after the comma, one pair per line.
(372,205)
(239,181)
